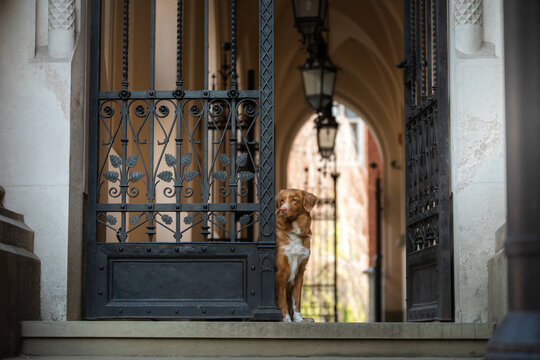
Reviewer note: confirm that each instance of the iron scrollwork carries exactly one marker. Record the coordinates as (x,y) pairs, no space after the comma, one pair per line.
(185,155)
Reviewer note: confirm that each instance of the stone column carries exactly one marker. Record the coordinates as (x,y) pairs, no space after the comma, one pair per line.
(61,28)
(469,25)
(518,336)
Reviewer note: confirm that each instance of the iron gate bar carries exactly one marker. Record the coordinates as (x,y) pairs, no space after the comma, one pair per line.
(177,94)
(233,46)
(205,183)
(266,116)
(152,43)
(179,33)
(125,45)
(266,149)
(93,113)
(421,50)
(205,73)
(153,278)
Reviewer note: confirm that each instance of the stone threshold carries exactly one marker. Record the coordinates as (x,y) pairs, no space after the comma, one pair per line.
(254,339)
(24,357)
(250,330)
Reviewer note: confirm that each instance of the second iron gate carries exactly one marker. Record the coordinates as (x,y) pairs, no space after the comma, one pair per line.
(427,160)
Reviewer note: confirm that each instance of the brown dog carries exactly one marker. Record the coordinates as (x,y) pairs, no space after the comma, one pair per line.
(293,233)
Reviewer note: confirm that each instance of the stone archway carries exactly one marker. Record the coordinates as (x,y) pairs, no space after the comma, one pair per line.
(365,42)
(340,283)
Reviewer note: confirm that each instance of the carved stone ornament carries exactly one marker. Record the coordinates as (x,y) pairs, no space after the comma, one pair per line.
(468,16)
(468,12)
(61,15)
(61,27)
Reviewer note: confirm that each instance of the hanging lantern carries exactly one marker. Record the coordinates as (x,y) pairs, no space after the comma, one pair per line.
(319,78)
(309,16)
(327,127)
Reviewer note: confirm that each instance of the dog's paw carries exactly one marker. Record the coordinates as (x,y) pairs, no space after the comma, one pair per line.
(287,318)
(297,317)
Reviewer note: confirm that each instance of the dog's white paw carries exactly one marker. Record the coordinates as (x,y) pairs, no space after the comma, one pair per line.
(287,318)
(297,317)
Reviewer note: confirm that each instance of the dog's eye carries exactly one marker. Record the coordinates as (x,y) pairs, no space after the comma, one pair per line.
(281,201)
(294,200)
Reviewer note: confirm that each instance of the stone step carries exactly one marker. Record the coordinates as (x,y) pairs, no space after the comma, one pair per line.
(24,357)
(154,339)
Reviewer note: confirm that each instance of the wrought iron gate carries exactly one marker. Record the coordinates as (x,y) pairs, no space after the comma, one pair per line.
(170,195)
(320,289)
(428,205)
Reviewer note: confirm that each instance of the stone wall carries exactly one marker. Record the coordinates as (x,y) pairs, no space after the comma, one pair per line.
(476,76)
(36,98)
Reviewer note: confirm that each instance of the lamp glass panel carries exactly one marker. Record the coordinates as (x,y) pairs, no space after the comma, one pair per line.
(327,137)
(312,81)
(329,78)
(307,8)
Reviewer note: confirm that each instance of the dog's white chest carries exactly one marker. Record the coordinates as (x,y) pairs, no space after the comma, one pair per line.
(295,251)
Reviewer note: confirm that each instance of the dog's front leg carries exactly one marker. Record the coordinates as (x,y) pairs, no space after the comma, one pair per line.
(281,287)
(297,292)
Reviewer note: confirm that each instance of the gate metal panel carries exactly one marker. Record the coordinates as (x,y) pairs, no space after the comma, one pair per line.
(180,162)
(427,159)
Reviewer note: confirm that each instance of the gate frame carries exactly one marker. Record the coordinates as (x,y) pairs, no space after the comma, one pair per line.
(256,259)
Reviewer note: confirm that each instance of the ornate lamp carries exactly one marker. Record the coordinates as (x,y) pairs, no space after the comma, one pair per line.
(327,127)
(309,16)
(318,77)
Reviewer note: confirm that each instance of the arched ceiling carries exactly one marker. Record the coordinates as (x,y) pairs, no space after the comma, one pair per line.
(365,42)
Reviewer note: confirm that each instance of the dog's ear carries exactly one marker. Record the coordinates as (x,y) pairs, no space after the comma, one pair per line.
(309,200)
(276,198)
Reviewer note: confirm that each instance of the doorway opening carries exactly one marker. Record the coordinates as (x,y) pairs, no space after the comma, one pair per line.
(366,44)
(340,282)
